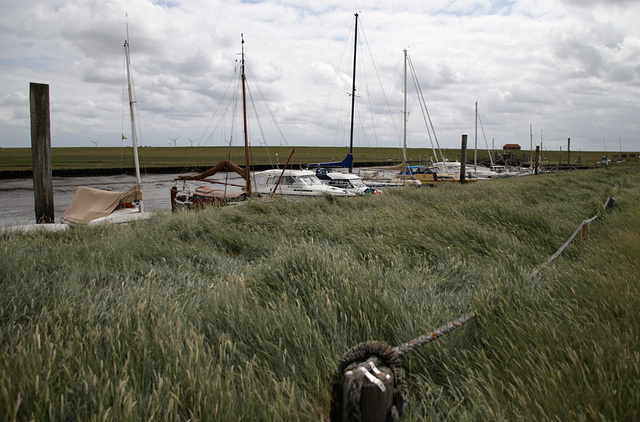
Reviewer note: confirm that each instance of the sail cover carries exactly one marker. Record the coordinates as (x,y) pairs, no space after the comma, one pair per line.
(88,203)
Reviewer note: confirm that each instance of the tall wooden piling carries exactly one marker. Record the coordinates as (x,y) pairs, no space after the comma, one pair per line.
(41,152)
(535,166)
(569,151)
(463,158)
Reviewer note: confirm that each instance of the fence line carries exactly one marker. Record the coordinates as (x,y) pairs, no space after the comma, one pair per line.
(608,204)
(371,372)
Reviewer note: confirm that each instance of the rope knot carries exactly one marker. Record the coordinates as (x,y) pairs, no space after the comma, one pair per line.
(369,361)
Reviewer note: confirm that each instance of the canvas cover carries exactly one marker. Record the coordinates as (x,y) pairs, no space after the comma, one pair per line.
(88,203)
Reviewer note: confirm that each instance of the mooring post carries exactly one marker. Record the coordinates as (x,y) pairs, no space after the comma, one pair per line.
(586,228)
(611,202)
(376,393)
(41,152)
(463,158)
(535,166)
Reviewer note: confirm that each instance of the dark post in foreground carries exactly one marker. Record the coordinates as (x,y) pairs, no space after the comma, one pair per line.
(535,166)
(463,158)
(41,152)
(568,151)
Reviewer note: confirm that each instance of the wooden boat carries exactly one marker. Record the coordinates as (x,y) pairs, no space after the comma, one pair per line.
(229,191)
(91,206)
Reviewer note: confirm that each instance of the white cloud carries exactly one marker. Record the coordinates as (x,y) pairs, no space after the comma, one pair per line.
(570,68)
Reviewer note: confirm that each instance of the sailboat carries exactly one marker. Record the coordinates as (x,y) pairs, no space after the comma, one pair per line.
(231,191)
(91,206)
(333,173)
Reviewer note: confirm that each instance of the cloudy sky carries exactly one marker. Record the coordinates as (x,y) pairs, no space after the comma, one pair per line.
(555,68)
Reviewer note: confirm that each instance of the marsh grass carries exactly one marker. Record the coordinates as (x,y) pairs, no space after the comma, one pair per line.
(243,312)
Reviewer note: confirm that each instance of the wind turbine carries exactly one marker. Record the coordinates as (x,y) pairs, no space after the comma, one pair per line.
(95,142)
(174,141)
(192,140)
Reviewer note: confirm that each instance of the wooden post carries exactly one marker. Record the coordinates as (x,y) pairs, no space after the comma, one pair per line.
(585,232)
(535,166)
(463,158)
(41,152)
(560,158)
(569,151)
(375,401)
(611,202)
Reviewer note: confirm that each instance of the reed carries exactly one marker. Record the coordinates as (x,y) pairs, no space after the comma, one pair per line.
(243,312)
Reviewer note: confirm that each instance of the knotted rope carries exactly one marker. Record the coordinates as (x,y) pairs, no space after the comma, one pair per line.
(387,356)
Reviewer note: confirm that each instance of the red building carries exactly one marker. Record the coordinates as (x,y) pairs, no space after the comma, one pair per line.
(511,147)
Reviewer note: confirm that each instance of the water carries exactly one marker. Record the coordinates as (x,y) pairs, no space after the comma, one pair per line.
(17,199)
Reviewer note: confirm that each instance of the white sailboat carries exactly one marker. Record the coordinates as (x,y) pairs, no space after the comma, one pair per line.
(92,206)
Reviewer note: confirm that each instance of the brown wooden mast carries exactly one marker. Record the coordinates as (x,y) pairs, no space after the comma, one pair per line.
(244,114)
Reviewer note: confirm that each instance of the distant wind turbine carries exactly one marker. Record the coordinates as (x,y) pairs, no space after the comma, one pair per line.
(192,140)
(174,141)
(95,142)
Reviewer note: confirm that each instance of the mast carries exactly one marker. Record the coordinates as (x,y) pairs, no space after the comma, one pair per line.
(404,119)
(134,138)
(353,91)
(244,115)
(531,146)
(475,154)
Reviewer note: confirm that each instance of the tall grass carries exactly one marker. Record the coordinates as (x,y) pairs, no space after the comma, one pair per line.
(243,312)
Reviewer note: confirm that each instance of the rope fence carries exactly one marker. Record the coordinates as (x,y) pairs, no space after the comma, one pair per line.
(585,224)
(369,384)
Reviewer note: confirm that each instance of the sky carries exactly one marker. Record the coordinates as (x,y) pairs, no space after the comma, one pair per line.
(540,71)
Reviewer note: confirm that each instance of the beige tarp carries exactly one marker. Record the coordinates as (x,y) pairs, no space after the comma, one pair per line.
(88,203)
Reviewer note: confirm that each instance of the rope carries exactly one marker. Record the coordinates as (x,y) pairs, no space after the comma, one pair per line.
(385,355)
(607,204)
(353,364)
(434,335)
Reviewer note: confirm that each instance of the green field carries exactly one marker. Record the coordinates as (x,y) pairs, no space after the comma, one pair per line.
(242,313)
(19,159)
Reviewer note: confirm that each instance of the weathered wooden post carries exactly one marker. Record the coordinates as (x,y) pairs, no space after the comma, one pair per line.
(586,228)
(611,202)
(535,166)
(560,157)
(569,151)
(368,385)
(463,158)
(376,393)
(41,152)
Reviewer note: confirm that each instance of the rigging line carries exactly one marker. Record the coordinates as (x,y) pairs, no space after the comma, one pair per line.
(220,104)
(255,111)
(375,68)
(384,95)
(266,104)
(333,84)
(425,112)
(221,115)
(485,142)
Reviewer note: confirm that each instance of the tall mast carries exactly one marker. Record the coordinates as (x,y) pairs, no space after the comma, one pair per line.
(475,155)
(353,91)
(404,119)
(134,138)
(244,115)
(531,145)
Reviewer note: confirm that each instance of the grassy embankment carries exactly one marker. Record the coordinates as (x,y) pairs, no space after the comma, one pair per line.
(19,159)
(243,312)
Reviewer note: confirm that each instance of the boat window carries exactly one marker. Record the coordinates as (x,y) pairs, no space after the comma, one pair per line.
(309,180)
(343,184)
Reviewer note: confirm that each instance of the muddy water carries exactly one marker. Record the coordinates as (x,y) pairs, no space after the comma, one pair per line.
(17,199)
